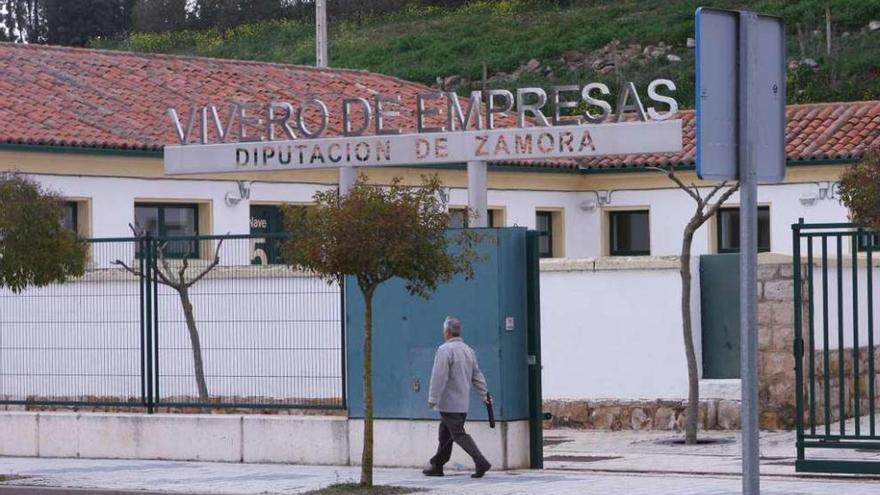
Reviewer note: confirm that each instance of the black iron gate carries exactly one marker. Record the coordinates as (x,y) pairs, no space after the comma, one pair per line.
(834,348)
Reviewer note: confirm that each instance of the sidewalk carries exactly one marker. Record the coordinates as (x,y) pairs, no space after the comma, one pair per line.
(577,462)
(651,453)
(220,478)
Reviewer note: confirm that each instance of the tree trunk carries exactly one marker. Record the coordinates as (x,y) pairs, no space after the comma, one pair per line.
(367,456)
(693,407)
(198,365)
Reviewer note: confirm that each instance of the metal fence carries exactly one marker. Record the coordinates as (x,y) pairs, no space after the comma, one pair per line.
(205,321)
(835,349)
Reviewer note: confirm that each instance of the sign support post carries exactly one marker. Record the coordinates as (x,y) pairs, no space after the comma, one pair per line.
(748,265)
(740,68)
(347,177)
(478,200)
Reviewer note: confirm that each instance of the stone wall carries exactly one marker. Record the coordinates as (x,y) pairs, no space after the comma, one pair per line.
(776,381)
(715,414)
(834,388)
(777,377)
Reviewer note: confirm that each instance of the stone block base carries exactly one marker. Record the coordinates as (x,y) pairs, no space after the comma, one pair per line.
(715,414)
(247,438)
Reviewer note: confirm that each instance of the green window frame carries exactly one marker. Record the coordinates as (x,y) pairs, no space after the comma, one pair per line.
(70,217)
(727,231)
(163,227)
(458,218)
(544,225)
(863,242)
(629,233)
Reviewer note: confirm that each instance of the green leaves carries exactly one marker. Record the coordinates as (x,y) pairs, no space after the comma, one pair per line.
(860,190)
(35,250)
(376,233)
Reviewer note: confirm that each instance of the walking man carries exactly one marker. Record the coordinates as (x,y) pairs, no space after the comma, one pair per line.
(455,369)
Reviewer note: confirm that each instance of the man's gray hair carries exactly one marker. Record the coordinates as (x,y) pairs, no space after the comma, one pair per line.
(453,326)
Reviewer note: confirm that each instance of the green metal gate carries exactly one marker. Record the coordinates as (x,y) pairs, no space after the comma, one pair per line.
(834,348)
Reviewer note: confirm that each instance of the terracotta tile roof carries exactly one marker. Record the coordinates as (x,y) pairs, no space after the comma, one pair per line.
(108,99)
(113,99)
(816,131)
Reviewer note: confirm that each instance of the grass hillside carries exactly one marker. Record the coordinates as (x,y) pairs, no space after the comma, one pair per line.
(535,42)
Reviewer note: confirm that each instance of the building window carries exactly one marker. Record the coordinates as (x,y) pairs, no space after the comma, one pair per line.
(544,225)
(70,219)
(458,218)
(728,230)
(869,237)
(266,220)
(170,220)
(630,233)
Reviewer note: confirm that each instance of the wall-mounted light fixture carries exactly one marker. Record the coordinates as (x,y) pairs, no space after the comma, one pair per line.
(588,205)
(604,197)
(825,191)
(243,192)
(809,199)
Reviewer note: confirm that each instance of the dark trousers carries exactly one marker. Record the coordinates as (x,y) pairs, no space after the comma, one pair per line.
(452,430)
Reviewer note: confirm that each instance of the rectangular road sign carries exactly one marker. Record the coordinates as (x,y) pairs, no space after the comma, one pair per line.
(718,96)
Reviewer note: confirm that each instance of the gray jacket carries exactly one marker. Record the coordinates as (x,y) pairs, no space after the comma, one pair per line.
(455,369)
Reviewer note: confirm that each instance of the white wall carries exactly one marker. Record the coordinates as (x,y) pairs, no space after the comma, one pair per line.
(113,208)
(845,304)
(614,331)
(600,326)
(670,209)
(113,199)
(265,335)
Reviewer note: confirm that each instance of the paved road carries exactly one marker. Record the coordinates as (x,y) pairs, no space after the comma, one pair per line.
(222,478)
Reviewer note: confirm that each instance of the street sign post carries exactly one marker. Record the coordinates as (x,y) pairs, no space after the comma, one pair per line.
(721,74)
(740,72)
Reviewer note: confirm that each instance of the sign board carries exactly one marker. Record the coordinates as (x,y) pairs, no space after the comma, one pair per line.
(281,135)
(425,149)
(718,42)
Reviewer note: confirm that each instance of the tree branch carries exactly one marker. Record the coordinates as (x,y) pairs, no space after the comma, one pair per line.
(714,191)
(184,264)
(165,279)
(724,197)
(127,268)
(209,267)
(684,187)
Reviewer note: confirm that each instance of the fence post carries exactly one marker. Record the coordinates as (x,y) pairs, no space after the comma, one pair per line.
(343,326)
(155,328)
(798,336)
(147,316)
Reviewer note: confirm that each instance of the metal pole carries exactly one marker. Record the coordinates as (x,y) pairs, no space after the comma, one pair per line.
(748,245)
(321,33)
(347,177)
(477,193)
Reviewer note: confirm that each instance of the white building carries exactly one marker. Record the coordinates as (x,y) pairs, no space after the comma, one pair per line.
(91,125)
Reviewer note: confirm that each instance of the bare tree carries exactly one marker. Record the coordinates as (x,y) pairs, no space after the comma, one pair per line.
(177,280)
(705,209)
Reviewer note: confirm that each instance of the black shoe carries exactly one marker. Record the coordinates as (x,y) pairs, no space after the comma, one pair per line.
(481,470)
(433,471)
